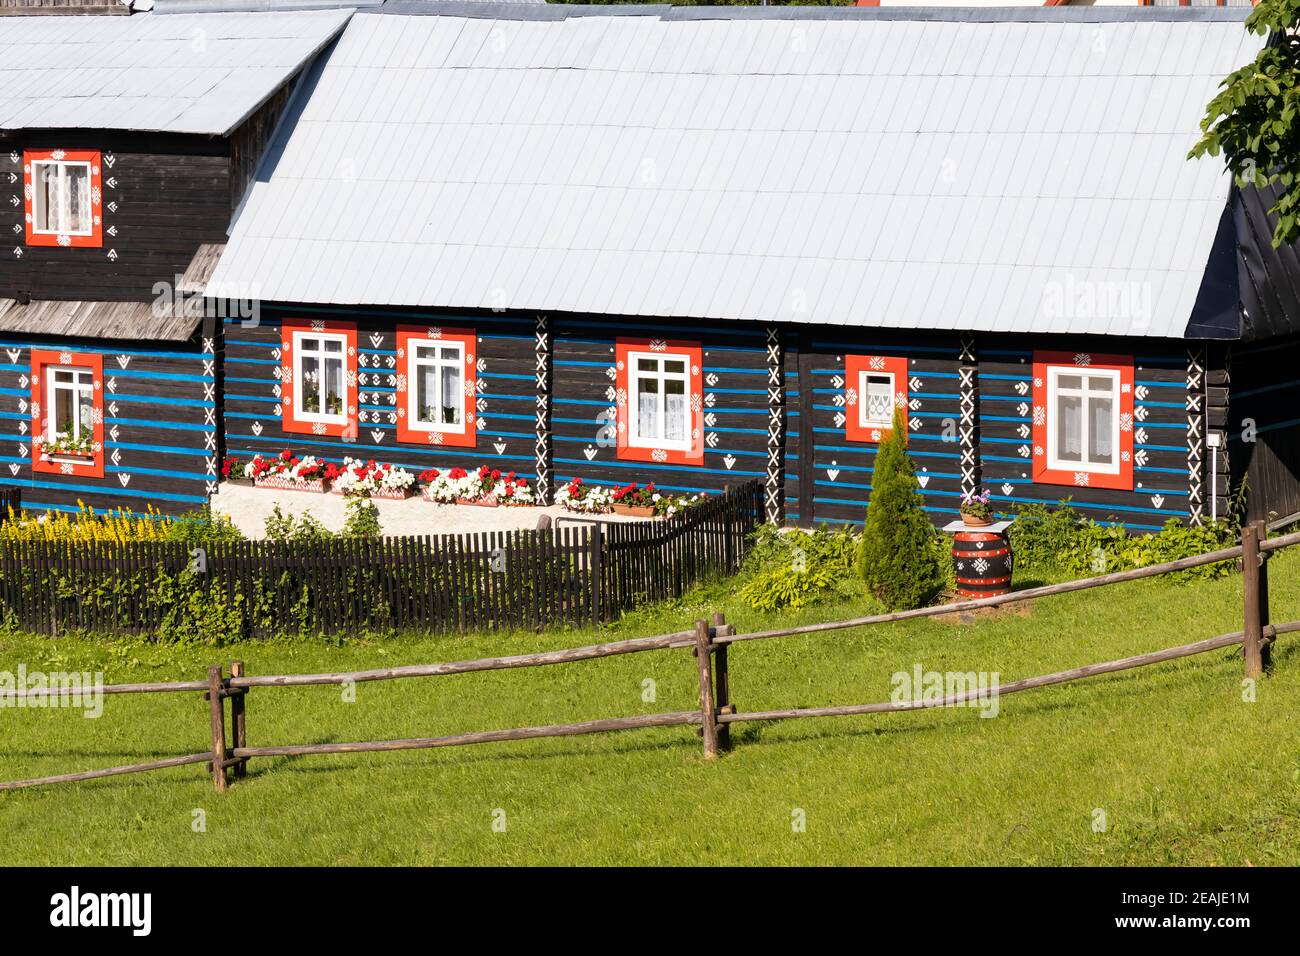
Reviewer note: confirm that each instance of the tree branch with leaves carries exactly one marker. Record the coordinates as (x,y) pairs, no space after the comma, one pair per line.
(1252,122)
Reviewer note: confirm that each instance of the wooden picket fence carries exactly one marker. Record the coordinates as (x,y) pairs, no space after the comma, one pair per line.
(580,571)
(709,642)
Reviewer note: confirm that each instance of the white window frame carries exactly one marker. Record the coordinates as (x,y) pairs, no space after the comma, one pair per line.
(1054,462)
(863,420)
(300,410)
(64,201)
(413,385)
(52,388)
(634,374)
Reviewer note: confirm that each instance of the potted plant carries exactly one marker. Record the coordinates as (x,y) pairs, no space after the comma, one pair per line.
(358,479)
(288,472)
(635,501)
(63,445)
(584,499)
(232,470)
(975,509)
(479,488)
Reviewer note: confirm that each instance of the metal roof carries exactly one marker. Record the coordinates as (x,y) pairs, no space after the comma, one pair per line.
(187,73)
(960,172)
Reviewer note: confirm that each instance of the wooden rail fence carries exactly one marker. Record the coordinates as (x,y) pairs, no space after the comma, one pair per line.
(578,573)
(709,643)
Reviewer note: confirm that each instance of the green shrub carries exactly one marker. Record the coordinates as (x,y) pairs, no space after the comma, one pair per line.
(305,528)
(1061,541)
(898,559)
(790,569)
(362,519)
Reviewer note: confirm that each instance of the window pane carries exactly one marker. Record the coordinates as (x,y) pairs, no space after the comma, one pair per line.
(44,198)
(86,415)
(78,186)
(1069,428)
(451,394)
(676,414)
(676,368)
(1096,384)
(425,352)
(1100,426)
(647,365)
(648,425)
(333,386)
(426,394)
(311,345)
(333,345)
(1069,381)
(63,420)
(310,373)
(879,398)
(451,355)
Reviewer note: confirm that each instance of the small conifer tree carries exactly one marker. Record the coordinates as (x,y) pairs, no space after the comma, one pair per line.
(898,557)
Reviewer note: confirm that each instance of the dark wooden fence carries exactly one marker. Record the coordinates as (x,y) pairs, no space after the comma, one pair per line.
(709,644)
(11,499)
(579,572)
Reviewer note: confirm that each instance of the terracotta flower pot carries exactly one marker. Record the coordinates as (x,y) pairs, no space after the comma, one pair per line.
(635,511)
(315,485)
(973,521)
(487,501)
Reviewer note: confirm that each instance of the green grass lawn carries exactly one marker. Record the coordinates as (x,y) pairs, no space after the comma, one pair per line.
(1184,770)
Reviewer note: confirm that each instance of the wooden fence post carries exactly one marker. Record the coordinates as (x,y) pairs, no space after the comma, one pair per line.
(238,717)
(217,710)
(723,680)
(703,656)
(1253,615)
(1266,647)
(596,573)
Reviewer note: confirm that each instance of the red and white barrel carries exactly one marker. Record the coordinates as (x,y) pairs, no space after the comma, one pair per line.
(982,560)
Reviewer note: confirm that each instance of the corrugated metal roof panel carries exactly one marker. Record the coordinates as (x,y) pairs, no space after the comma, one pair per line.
(184,73)
(937,173)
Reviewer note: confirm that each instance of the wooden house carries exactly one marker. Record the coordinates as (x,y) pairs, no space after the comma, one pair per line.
(126,142)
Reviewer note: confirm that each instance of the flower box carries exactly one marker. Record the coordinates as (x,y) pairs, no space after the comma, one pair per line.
(487,501)
(635,511)
(314,485)
(78,456)
(388,494)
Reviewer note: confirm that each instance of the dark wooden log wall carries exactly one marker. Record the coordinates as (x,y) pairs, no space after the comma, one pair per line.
(1263,424)
(835,473)
(160,427)
(163,197)
(1161,451)
(506,401)
(736,404)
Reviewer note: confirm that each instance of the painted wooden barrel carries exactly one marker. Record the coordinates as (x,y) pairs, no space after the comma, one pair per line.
(982,560)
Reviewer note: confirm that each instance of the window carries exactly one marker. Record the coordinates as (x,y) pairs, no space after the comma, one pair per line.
(1083,425)
(67,413)
(63,197)
(320,387)
(659,401)
(318,377)
(438,385)
(1083,420)
(660,408)
(875,386)
(876,402)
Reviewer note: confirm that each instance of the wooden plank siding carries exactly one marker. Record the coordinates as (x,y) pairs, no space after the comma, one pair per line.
(1263,425)
(505,438)
(821,476)
(159,421)
(734,382)
(162,197)
(1160,475)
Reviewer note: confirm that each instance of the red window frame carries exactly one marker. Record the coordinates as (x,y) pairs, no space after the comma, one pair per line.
(693,352)
(854,366)
(96,238)
(419,436)
(40,360)
(1082,361)
(289,420)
